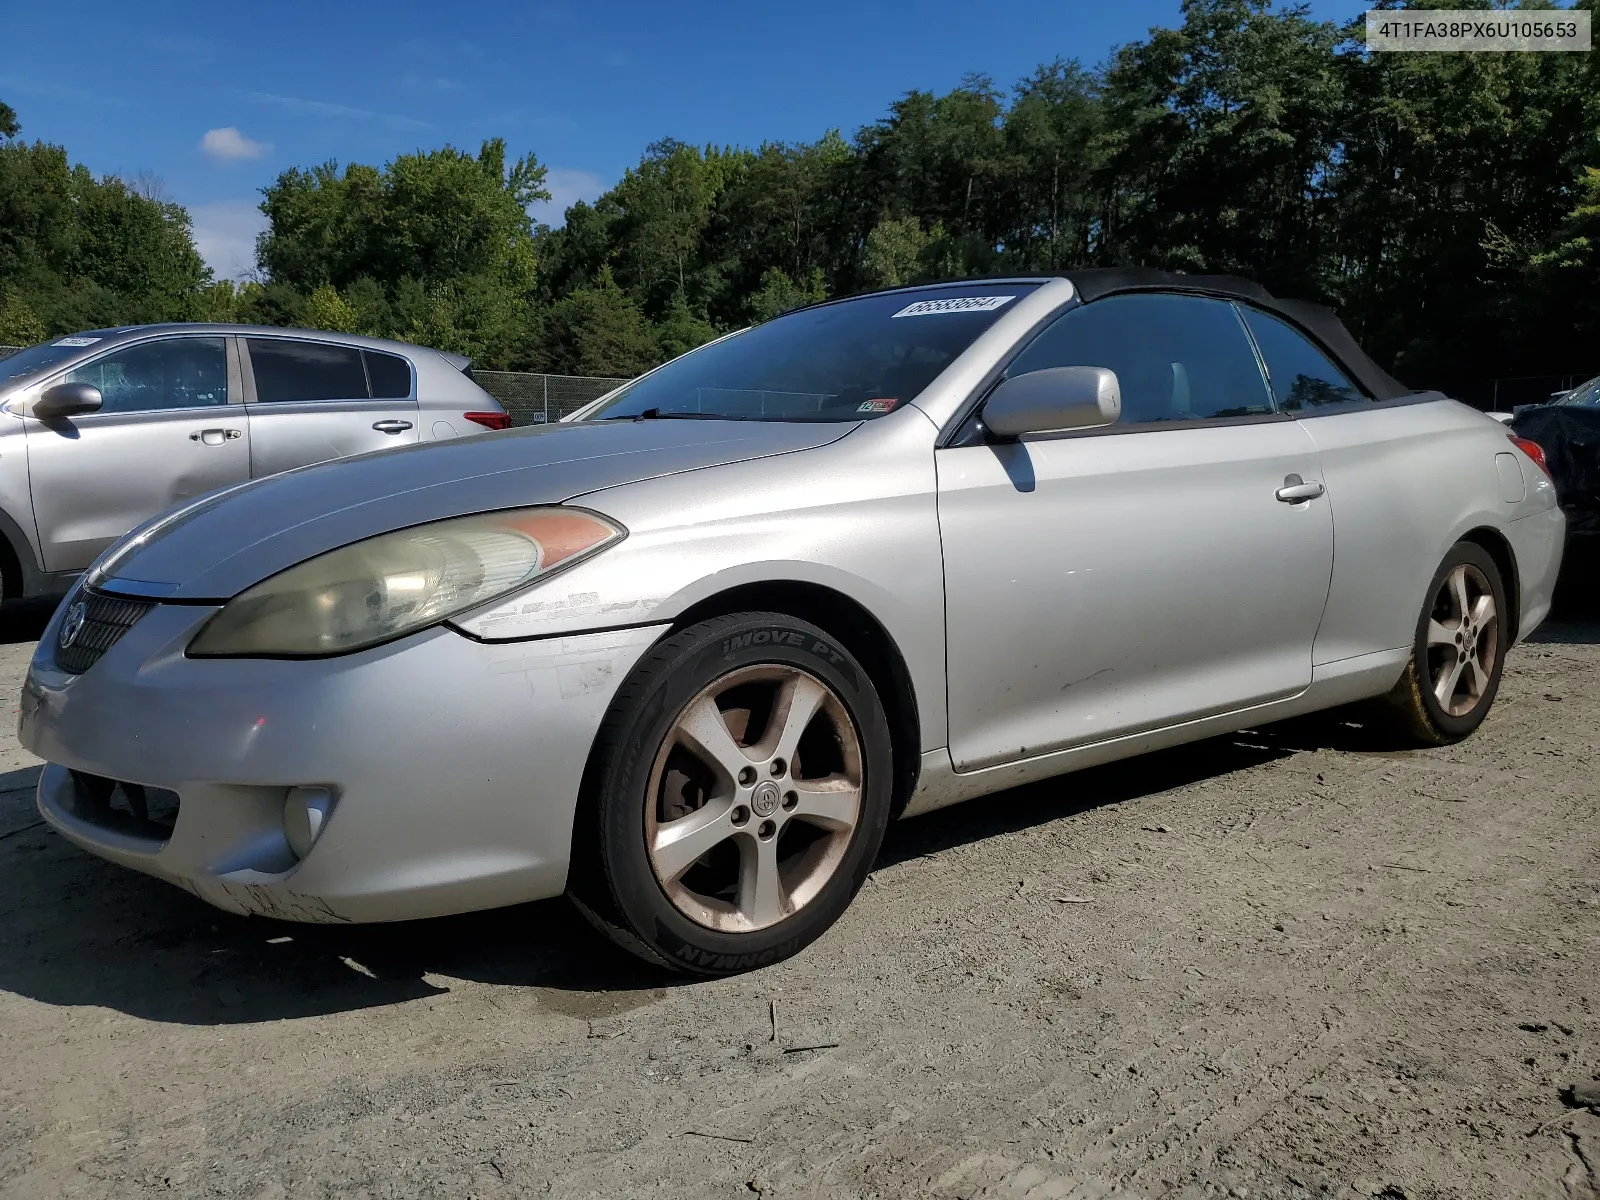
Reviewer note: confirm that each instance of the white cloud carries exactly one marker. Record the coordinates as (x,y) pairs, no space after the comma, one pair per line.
(228,143)
(566,187)
(225,235)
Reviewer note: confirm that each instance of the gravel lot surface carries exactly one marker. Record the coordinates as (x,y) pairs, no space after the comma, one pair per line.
(1292,962)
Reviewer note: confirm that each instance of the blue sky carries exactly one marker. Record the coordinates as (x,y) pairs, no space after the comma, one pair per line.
(216,99)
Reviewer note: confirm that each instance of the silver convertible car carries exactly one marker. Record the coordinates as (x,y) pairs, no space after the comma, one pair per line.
(685,656)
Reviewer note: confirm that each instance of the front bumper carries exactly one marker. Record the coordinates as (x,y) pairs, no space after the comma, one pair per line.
(455,764)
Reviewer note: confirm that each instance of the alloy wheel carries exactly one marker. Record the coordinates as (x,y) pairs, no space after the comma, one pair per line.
(1463,640)
(753,798)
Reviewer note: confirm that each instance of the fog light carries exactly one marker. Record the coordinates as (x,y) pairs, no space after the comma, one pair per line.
(305,812)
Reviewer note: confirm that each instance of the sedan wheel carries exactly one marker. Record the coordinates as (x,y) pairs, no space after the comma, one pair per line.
(736,797)
(1461,640)
(753,798)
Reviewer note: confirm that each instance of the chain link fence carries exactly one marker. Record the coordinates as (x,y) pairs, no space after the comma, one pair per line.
(1503,395)
(533,399)
(530,398)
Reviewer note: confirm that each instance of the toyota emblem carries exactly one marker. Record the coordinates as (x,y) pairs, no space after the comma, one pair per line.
(77,617)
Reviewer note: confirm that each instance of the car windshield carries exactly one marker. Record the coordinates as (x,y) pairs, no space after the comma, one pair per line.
(1587,394)
(847,361)
(36,360)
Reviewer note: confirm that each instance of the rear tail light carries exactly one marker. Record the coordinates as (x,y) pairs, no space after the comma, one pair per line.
(500,420)
(1532,449)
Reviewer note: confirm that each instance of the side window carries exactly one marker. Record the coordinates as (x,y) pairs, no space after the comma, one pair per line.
(1177,358)
(188,372)
(289,370)
(389,375)
(1302,376)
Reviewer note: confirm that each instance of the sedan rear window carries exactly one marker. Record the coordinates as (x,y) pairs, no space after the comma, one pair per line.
(851,360)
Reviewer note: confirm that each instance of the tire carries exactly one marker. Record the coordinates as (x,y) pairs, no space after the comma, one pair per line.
(1461,660)
(787,804)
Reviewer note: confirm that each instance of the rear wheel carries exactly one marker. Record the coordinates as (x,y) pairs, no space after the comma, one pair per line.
(736,798)
(1458,653)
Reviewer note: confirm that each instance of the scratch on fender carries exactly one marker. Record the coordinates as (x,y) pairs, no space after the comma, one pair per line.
(1086,678)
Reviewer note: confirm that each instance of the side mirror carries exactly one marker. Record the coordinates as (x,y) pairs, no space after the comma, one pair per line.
(1056,398)
(66,400)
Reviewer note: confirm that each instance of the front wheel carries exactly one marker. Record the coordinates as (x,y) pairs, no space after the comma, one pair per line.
(736,797)
(1458,653)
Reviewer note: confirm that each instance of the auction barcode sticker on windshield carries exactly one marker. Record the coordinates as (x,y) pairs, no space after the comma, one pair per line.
(956,304)
(1467,30)
(76,341)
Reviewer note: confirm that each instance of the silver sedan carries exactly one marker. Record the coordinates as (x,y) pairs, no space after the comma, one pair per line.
(685,656)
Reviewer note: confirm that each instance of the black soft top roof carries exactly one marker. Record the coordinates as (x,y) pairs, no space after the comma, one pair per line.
(1321,324)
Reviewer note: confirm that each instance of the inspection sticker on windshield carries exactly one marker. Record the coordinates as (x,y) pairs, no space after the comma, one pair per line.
(75,342)
(956,304)
(877,406)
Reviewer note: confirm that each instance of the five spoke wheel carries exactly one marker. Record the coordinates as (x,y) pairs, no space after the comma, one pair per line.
(1462,640)
(753,798)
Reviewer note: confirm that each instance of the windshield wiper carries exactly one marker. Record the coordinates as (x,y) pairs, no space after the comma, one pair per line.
(655,414)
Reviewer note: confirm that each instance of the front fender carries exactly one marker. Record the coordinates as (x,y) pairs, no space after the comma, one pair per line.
(868,530)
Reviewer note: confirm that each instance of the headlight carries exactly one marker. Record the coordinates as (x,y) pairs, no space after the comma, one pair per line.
(391,585)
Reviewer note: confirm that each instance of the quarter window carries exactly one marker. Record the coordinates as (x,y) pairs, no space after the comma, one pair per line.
(388,374)
(1302,376)
(1177,358)
(190,372)
(287,370)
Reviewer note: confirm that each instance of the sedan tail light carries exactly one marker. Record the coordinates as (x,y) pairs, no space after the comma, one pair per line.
(496,420)
(1532,449)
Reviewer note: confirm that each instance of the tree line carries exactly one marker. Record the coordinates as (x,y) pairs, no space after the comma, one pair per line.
(1447,205)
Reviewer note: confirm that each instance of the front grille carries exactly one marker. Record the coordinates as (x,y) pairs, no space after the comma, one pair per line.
(103,621)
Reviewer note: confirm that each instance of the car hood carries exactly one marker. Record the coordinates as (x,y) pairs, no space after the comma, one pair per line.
(226,542)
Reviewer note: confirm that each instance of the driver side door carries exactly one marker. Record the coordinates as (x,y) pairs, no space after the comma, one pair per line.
(1104,582)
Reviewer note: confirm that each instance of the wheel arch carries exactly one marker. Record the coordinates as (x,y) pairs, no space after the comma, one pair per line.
(854,627)
(1494,544)
(20,577)
(10,570)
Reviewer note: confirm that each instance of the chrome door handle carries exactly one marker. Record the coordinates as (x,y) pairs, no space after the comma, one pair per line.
(215,437)
(391,426)
(1295,489)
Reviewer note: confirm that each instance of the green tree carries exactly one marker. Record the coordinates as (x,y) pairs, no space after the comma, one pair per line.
(1216,142)
(435,246)
(18,324)
(896,252)
(1047,212)
(1439,154)
(80,252)
(787,207)
(598,330)
(326,309)
(940,157)
(662,209)
(681,329)
(780,294)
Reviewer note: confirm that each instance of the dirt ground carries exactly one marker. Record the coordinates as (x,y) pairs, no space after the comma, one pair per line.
(1288,963)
